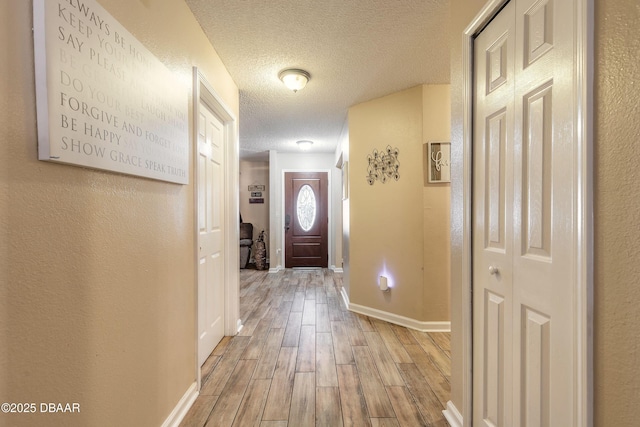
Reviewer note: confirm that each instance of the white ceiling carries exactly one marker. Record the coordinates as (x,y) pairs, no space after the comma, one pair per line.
(355,51)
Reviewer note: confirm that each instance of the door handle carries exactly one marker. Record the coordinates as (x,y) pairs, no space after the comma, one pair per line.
(493,270)
(287,222)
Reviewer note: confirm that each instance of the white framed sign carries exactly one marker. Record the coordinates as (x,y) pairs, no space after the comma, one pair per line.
(103,100)
(439,161)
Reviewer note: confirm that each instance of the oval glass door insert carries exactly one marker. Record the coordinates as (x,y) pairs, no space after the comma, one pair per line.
(306,207)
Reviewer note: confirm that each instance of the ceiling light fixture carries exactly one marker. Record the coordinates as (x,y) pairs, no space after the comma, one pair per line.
(304,144)
(294,78)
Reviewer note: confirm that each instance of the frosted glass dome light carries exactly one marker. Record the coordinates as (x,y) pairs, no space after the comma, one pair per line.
(304,144)
(295,79)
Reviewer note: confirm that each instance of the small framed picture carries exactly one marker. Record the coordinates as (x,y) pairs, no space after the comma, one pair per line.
(256,200)
(256,194)
(256,187)
(439,162)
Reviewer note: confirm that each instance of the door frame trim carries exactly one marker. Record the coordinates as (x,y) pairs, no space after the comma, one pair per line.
(329,216)
(204,92)
(583,244)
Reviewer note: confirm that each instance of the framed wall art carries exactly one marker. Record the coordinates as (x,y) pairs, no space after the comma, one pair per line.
(439,161)
(109,103)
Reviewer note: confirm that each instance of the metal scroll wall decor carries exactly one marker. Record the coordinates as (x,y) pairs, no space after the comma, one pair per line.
(383,165)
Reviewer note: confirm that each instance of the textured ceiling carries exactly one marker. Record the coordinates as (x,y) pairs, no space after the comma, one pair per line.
(355,51)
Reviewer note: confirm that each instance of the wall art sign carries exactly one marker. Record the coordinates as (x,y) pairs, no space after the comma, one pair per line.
(254,200)
(383,165)
(256,187)
(439,162)
(103,100)
(256,194)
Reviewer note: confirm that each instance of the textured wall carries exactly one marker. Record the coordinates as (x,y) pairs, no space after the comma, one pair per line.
(97,292)
(436,125)
(617,213)
(394,225)
(616,210)
(386,219)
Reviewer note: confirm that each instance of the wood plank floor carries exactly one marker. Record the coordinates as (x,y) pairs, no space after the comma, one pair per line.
(302,359)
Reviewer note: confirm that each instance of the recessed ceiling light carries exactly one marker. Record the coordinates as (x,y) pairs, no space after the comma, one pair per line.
(294,78)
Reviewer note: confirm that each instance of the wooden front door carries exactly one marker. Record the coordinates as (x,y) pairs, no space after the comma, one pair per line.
(306,219)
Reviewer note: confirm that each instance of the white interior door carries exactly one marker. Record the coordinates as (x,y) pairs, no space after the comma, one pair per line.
(493,221)
(524,210)
(210,182)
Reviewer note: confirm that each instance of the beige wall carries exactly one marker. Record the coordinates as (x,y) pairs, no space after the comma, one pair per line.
(97,291)
(254,172)
(616,211)
(387,231)
(436,119)
(386,219)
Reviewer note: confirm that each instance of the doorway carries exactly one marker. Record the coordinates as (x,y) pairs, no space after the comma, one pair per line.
(527,143)
(306,219)
(216,225)
(211,227)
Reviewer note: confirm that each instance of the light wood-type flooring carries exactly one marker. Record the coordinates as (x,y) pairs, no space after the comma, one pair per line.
(302,359)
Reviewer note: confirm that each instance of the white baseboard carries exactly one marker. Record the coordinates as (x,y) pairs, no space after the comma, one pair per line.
(401,320)
(239,326)
(452,415)
(177,415)
(275,269)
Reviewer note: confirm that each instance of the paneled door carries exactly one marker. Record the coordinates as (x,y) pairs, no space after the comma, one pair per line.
(306,219)
(210,182)
(524,211)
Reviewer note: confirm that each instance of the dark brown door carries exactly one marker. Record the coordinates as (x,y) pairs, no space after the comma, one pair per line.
(306,219)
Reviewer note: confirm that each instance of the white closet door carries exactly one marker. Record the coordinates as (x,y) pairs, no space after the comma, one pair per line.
(523,217)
